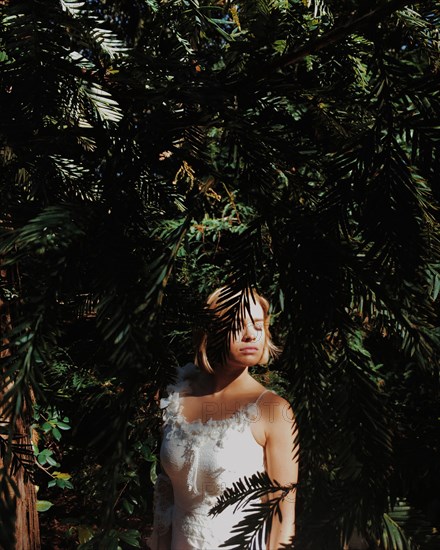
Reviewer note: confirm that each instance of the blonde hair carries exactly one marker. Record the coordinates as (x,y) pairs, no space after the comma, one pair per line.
(217,306)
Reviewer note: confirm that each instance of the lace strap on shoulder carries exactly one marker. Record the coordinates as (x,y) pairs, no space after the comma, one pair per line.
(261,395)
(253,409)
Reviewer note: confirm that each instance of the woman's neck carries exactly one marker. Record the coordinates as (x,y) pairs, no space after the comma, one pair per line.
(228,376)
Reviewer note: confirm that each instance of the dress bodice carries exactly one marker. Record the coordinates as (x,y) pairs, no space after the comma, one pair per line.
(201,459)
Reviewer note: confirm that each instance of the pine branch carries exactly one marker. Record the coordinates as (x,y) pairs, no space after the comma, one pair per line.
(335,35)
(260,515)
(244,490)
(21,456)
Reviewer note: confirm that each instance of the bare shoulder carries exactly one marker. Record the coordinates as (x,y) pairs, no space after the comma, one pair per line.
(193,380)
(276,410)
(274,399)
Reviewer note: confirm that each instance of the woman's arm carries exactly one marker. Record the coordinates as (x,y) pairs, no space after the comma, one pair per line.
(281,465)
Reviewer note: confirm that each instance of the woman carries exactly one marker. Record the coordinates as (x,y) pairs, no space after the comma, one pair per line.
(220,425)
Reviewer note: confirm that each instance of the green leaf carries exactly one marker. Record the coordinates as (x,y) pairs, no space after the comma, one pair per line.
(153,472)
(62,475)
(42,457)
(43,505)
(128,506)
(130,537)
(51,460)
(85,533)
(279,45)
(63,425)
(153,4)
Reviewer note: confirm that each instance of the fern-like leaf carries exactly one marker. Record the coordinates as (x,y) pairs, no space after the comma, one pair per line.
(106,107)
(253,528)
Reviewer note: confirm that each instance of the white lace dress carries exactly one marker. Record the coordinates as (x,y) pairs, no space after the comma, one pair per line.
(199,461)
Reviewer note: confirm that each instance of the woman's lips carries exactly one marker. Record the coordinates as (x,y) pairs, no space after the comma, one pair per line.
(249,350)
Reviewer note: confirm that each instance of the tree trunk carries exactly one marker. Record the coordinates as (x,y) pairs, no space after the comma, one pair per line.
(27,528)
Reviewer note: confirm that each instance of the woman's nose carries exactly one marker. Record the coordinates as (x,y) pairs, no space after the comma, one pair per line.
(249,333)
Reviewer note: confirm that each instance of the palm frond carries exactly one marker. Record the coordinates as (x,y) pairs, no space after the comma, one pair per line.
(104,37)
(109,42)
(21,456)
(102,102)
(421,30)
(252,528)
(393,537)
(73,7)
(48,228)
(409,527)
(320,7)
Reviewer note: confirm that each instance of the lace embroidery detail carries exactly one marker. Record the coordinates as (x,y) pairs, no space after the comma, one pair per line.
(213,429)
(176,425)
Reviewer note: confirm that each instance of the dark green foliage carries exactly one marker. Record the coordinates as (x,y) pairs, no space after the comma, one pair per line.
(153,151)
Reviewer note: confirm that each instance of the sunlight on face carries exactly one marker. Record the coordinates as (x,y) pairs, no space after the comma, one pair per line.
(247,345)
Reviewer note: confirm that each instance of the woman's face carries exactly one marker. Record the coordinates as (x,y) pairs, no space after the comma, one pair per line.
(247,345)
